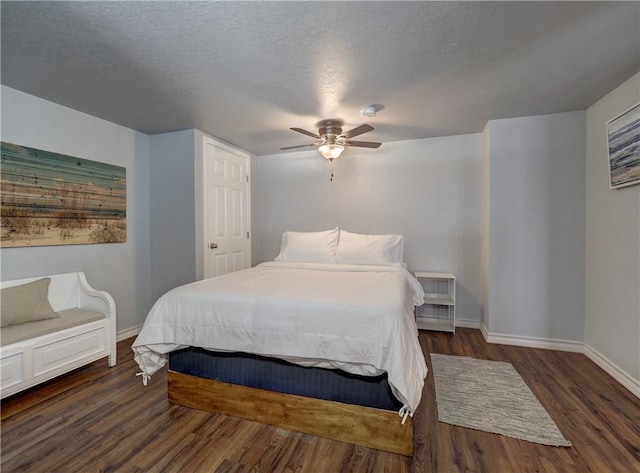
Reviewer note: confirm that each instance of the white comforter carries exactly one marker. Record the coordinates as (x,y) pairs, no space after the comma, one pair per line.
(356,318)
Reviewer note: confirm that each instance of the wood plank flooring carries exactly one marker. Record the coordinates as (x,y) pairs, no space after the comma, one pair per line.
(101,419)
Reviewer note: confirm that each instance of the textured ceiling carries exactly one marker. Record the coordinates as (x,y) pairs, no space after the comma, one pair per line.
(247,71)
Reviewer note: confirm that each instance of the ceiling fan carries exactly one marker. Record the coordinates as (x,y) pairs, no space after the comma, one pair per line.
(331,139)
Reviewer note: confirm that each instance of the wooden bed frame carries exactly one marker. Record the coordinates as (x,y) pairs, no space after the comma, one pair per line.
(366,426)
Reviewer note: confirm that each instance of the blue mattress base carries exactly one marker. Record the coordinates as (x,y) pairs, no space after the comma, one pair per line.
(280,376)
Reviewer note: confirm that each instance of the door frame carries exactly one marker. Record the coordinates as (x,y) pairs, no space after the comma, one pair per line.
(200,186)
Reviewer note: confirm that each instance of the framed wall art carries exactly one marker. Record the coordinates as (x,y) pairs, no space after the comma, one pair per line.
(55,199)
(623,141)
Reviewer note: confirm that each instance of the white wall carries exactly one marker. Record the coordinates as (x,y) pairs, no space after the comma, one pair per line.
(122,269)
(428,190)
(612,332)
(536,219)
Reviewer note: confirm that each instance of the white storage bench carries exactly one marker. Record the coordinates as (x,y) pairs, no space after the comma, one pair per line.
(34,352)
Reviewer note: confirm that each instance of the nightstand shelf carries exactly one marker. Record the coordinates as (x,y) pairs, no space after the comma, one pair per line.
(438,311)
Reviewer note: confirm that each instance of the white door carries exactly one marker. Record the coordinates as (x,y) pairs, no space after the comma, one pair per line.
(227,210)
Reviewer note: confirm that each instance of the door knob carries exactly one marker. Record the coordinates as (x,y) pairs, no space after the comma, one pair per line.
(213,246)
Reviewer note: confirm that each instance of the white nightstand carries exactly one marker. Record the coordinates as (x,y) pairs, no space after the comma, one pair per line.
(439,309)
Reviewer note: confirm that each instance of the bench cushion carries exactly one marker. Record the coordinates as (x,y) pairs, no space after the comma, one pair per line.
(68,318)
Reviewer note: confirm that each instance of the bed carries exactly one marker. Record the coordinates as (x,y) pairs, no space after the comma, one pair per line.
(322,340)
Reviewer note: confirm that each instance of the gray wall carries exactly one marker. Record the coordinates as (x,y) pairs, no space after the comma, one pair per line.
(531,189)
(612,243)
(485,211)
(428,190)
(536,221)
(171,210)
(122,269)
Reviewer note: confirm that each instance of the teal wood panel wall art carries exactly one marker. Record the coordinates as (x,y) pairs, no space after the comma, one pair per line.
(55,199)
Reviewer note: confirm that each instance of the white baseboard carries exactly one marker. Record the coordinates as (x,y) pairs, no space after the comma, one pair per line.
(484,332)
(532,342)
(628,381)
(128,333)
(468,323)
(616,373)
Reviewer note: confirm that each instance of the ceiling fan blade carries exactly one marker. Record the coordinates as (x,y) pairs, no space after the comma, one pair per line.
(305,132)
(299,146)
(359,130)
(363,144)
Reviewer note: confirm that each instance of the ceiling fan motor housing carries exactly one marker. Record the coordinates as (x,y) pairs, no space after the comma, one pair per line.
(329,130)
(330,134)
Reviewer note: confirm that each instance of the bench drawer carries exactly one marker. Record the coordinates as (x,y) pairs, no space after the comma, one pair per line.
(70,350)
(12,369)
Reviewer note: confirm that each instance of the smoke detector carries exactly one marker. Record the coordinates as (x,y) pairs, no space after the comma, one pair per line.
(371,110)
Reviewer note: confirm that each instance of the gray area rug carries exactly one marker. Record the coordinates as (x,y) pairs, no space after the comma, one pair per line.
(491,396)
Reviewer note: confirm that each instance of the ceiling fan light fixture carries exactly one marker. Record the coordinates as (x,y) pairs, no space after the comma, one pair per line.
(330,151)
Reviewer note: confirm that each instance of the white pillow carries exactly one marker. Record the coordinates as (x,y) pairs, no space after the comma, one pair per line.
(354,248)
(309,247)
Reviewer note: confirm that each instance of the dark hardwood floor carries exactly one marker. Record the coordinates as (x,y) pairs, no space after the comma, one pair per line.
(100,419)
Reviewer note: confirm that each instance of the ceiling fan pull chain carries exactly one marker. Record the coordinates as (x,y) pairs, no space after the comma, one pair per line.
(331,170)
